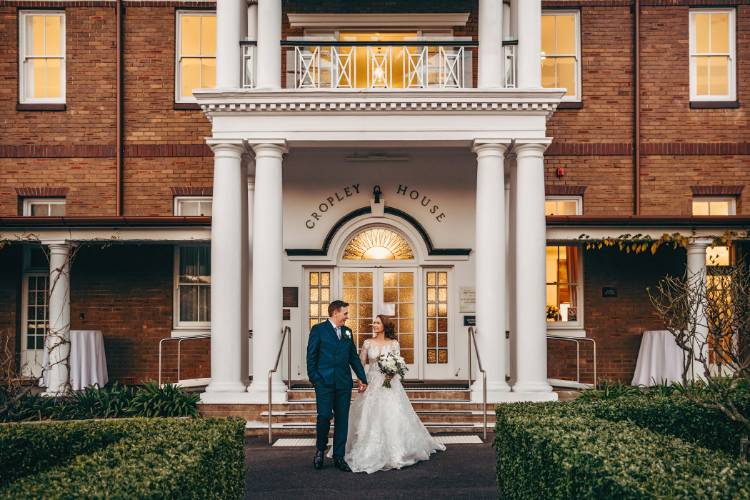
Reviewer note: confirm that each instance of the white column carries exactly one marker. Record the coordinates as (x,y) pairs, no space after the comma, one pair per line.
(267,273)
(269,45)
(529,20)
(252,19)
(696,272)
(58,337)
(513,21)
(490,44)
(490,268)
(530,257)
(231,21)
(227,307)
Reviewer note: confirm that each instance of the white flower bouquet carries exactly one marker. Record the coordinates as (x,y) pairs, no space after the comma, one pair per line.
(391,364)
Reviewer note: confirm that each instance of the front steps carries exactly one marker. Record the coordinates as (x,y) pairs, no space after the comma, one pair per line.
(443,408)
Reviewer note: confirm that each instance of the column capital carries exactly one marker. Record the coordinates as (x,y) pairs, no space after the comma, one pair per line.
(530,147)
(227,147)
(269,149)
(490,147)
(58,246)
(698,244)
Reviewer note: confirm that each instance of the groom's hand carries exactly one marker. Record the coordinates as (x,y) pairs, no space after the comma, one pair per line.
(362,388)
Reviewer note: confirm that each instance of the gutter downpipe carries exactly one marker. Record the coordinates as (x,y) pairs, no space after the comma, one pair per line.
(119,160)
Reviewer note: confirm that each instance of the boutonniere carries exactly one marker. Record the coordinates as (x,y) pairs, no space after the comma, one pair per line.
(348,334)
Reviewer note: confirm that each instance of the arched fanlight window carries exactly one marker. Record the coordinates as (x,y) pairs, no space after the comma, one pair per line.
(378,243)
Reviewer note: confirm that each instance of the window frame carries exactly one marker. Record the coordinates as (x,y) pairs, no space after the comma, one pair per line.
(184,328)
(577,97)
(29,202)
(692,68)
(178,97)
(577,199)
(731,199)
(23,98)
(178,200)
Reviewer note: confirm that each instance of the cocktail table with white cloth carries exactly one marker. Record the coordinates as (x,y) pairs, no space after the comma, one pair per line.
(659,359)
(88,364)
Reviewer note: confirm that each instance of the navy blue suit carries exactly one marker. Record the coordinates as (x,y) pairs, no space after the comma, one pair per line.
(328,362)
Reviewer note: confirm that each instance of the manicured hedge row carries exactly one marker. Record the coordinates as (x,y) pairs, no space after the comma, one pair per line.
(669,415)
(28,449)
(129,458)
(547,455)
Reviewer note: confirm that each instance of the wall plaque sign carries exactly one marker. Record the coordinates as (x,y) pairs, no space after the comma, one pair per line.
(609,292)
(467,299)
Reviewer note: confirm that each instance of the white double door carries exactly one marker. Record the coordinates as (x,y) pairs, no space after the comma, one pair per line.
(402,295)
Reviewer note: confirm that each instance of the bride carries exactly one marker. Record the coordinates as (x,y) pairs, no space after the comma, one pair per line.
(384,431)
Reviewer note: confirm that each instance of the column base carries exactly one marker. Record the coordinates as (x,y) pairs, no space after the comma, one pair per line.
(532,387)
(258,391)
(496,392)
(219,387)
(226,398)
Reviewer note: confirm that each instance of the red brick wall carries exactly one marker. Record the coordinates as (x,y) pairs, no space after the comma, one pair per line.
(615,323)
(126,292)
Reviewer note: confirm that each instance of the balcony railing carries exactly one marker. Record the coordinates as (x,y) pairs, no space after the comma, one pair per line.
(380,65)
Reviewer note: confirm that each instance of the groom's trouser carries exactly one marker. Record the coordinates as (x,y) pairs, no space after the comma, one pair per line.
(332,401)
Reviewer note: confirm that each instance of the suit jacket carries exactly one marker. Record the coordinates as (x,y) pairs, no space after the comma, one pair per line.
(329,359)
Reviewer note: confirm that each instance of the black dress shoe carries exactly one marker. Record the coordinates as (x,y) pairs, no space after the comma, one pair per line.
(318,460)
(341,464)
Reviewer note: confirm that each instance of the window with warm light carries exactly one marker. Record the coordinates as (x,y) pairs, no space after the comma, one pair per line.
(378,244)
(42,57)
(196,53)
(712,54)
(562,284)
(717,206)
(561,52)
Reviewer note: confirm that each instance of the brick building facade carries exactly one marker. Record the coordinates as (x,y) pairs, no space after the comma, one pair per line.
(127,290)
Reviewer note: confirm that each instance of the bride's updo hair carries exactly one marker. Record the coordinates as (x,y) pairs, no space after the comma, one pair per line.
(388,329)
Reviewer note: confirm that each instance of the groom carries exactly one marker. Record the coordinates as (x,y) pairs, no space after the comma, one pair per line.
(330,353)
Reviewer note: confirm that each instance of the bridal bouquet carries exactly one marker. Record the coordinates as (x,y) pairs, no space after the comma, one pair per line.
(391,364)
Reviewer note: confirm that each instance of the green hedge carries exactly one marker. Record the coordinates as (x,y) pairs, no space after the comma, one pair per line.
(112,401)
(546,454)
(125,458)
(673,416)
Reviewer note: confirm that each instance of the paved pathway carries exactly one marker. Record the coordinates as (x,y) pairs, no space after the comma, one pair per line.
(462,471)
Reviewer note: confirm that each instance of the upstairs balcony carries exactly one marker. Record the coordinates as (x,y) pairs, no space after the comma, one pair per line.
(386,65)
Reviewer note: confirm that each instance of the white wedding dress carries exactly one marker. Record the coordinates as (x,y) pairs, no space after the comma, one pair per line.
(384,430)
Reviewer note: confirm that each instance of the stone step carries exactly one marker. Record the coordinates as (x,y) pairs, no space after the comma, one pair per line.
(413,394)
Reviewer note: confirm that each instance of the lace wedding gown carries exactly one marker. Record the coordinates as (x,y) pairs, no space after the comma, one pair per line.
(384,430)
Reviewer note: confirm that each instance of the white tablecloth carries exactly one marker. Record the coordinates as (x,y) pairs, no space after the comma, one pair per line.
(88,364)
(659,359)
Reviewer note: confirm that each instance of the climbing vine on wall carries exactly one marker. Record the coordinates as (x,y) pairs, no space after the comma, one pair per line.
(640,243)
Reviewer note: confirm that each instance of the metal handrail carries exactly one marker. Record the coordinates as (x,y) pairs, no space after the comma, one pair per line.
(578,341)
(472,332)
(285,332)
(180,339)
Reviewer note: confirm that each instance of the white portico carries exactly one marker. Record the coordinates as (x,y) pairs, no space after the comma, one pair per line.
(453,145)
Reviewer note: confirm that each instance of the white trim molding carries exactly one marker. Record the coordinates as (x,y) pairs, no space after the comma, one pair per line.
(378,21)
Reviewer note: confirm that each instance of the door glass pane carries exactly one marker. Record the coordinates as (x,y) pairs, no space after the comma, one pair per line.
(319,295)
(36,311)
(359,294)
(437,317)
